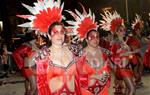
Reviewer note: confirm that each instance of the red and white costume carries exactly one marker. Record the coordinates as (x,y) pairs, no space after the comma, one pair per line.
(110,23)
(86,71)
(47,70)
(118,50)
(44,14)
(19,55)
(83,24)
(134,44)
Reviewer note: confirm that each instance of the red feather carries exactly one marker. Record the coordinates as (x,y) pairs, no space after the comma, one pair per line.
(115,23)
(45,18)
(86,25)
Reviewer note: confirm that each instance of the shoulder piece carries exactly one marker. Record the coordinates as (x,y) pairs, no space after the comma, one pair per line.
(41,54)
(76,49)
(106,51)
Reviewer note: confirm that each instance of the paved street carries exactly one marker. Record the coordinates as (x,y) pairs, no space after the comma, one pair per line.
(14,86)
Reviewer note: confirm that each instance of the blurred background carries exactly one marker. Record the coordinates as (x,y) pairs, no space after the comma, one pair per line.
(10,33)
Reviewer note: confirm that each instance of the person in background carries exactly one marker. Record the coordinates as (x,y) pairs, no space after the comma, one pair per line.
(6,60)
(22,57)
(120,52)
(134,41)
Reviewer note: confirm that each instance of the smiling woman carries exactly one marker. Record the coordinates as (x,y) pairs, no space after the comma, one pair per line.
(55,65)
(61,72)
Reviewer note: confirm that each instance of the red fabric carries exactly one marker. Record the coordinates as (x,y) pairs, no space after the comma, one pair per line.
(117,55)
(146,58)
(27,72)
(123,73)
(85,71)
(46,17)
(114,24)
(117,59)
(47,71)
(133,42)
(86,25)
(42,83)
(85,92)
(105,44)
(20,53)
(134,58)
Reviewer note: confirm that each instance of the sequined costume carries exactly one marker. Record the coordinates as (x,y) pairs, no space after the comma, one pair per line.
(134,44)
(99,86)
(118,50)
(47,72)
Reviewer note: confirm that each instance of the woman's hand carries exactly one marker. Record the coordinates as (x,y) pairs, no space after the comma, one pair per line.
(103,77)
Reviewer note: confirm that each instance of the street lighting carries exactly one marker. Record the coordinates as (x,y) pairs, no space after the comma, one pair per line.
(1,26)
(127,15)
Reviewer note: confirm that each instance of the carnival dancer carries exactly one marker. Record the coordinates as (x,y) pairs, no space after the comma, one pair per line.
(93,67)
(135,44)
(56,65)
(120,51)
(21,56)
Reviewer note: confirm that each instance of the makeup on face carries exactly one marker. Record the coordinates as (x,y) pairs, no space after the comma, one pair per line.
(121,30)
(57,30)
(93,36)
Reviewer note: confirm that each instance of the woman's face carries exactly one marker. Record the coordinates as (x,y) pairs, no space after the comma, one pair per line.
(57,35)
(121,31)
(93,39)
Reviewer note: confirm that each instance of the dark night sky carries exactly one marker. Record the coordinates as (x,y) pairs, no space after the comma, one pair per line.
(134,6)
(9,8)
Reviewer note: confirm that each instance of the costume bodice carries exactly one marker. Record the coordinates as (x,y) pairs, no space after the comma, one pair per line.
(58,79)
(118,50)
(97,84)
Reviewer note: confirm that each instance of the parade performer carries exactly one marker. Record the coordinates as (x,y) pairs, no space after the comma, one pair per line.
(21,56)
(120,51)
(93,66)
(56,65)
(135,44)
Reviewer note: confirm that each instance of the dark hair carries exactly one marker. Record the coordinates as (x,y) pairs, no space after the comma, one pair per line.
(54,24)
(49,43)
(29,36)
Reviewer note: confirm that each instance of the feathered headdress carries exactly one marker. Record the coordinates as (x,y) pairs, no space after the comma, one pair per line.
(82,24)
(111,21)
(138,23)
(44,13)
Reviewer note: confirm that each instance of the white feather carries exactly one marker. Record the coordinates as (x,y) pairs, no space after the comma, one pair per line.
(27,24)
(31,9)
